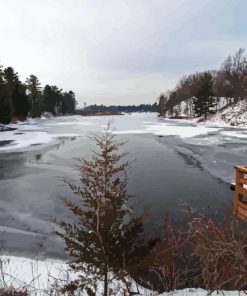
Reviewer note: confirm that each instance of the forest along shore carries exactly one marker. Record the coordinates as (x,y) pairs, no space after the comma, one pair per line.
(214,96)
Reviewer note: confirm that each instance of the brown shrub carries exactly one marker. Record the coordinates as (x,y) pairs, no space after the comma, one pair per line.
(171,265)
(205,254)
(222,251)
(13,292)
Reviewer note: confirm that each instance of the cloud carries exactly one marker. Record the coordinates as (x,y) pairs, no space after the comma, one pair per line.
(118,51)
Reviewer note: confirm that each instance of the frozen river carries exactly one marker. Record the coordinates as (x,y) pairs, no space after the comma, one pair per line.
(176,162)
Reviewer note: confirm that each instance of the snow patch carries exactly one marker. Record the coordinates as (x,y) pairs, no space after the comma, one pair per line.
(70,123)
(170,128)
(235,134)
(130,132)
(201,292)
(43,273)
(182,131)
(18,140)
(26,271)
(23,140)
(232,116)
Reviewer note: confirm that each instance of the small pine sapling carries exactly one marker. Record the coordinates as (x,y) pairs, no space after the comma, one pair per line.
(105,238)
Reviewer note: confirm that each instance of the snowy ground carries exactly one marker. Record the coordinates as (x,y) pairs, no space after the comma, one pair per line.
(200,292)
(232,116)
(40,275)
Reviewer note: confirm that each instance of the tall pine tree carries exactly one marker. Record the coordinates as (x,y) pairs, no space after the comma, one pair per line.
(204,100)
(68,103)
(34,95)
(17,97)
(52,99)
(6,107)
(106,237)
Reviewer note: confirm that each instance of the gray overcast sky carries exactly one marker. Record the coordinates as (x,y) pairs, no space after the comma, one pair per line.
(118,51)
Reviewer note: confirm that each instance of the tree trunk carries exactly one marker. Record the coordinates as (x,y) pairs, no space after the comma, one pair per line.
(236,100)
(106,283)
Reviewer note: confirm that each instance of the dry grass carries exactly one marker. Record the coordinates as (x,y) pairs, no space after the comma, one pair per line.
(221,249)
(204,254)
(13,292)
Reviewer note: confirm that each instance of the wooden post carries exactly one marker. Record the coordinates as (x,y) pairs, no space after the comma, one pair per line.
(236,194)
(240,202)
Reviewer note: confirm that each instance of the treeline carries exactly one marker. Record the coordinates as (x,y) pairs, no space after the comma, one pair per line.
(127,109)
(201,93)
(18,99)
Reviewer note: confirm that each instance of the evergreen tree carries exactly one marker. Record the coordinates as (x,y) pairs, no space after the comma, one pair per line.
(204,100)
(105,238)
(11,78)
(68,103)
(34,95)
(16,98)
(52,99)
(20,101)
(6,107)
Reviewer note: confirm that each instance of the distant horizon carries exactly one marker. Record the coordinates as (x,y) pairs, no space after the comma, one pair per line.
(122,52)
(109,105)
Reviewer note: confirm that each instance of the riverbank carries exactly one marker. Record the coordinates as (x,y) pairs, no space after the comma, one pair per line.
(231,116)
(5,128)
(43,276)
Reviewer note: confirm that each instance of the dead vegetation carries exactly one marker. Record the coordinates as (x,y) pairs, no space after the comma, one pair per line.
(13,292)
(206,254)
(221,250)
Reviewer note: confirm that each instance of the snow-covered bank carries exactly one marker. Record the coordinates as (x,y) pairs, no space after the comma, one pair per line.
(201,292)
(40,276)
(232,116)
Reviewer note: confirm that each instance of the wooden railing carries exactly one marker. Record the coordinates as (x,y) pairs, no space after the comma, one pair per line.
(240,196)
